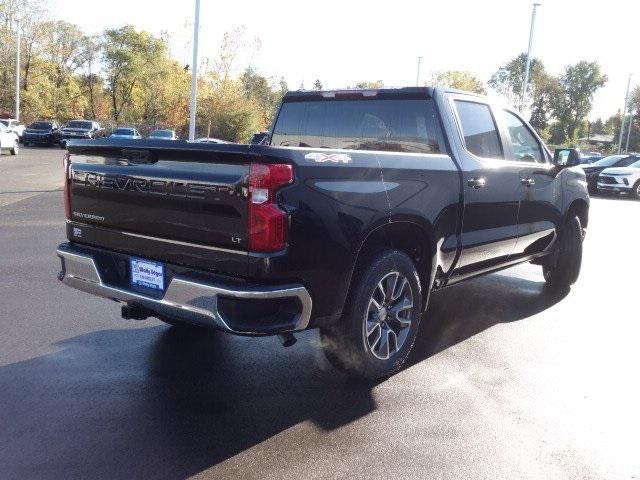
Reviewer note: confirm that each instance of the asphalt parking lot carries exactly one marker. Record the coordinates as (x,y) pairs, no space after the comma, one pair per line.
(506,382)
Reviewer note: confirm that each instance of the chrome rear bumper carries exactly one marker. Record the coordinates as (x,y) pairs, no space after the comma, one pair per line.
(184,299)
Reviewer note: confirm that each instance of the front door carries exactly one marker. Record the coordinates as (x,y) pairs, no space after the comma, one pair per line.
(539,216)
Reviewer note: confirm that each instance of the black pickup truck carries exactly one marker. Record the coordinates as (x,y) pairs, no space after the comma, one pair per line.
(360,205)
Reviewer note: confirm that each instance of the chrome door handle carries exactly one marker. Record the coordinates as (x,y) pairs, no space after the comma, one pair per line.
(528,182)
(478,182)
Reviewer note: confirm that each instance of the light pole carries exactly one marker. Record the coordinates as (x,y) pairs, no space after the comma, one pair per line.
(525,84)
(624,115)
(418,74)
(17,112)
(194,74)
(626,149)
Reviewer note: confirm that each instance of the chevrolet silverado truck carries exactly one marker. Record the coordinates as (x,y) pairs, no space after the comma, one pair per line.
(359,205)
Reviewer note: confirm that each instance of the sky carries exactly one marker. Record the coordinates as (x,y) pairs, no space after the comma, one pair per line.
(343,42)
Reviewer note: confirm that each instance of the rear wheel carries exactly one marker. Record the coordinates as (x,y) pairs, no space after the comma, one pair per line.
(380,321)
(563,269)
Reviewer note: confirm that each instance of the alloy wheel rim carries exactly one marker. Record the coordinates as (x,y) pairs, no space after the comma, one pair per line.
(387,319)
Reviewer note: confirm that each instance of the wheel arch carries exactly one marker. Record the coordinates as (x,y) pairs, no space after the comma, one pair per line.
(580,208)
(410,237)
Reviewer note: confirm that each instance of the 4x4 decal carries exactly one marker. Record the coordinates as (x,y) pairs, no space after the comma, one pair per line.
(328,157)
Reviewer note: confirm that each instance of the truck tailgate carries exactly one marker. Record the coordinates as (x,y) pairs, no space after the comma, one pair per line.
(183,196)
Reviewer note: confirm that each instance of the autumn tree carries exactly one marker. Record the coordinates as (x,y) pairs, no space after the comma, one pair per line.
(265,92)
(458,79)
(365,84)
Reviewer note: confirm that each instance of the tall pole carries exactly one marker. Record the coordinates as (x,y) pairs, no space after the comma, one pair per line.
(17,112)
(194,74)
(626,149)
(525,84)
(418,74)
(624,115)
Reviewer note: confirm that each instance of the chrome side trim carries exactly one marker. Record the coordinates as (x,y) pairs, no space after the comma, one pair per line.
(187,244)
(198,300)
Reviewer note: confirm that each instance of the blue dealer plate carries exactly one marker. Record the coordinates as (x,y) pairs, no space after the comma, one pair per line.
(145,273)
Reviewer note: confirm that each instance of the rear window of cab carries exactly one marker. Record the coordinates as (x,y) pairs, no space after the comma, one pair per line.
(393,125)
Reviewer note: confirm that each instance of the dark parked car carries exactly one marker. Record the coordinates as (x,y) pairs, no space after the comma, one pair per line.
(589,157)
(364,203)
(42,133)
(85,129)
(593,170)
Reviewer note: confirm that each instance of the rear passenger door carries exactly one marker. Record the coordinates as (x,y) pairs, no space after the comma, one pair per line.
(491,188)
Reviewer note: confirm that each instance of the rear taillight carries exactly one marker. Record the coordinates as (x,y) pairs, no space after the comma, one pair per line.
(268,223)
(66,163)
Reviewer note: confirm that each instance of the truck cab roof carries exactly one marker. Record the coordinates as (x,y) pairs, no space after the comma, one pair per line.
(399,92)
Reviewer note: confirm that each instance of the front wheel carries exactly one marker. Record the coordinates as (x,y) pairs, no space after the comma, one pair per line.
(381,319)
(564,269)
(636,190)
(16,148)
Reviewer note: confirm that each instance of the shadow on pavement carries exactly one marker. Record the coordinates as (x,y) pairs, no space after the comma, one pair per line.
(160,402)
(462,311)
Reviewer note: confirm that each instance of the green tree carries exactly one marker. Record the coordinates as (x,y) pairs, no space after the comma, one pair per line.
(130,57)
(461,80)
(509,79)
(573,98)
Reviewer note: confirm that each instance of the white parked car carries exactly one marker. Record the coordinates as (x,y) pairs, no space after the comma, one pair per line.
(210,140)
(163,134)
(621,180)
(8,140)
(14,126)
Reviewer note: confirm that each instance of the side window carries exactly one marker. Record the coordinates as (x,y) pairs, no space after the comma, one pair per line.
(524,145)
(626,161)
(286,132)
(480,133)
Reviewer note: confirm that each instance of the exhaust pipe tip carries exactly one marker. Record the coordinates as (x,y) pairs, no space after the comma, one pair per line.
(287,339)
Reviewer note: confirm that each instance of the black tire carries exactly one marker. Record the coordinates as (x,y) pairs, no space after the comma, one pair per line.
(564,269)
(636,190)
(347,345)
(15,149)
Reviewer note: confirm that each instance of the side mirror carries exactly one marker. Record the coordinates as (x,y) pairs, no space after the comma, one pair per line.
(566,157)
